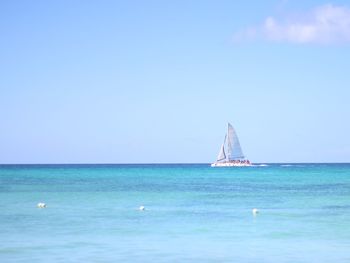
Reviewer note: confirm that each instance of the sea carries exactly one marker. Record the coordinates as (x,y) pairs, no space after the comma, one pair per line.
(193,213)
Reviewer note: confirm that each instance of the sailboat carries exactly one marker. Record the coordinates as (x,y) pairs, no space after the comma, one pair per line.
(231,153)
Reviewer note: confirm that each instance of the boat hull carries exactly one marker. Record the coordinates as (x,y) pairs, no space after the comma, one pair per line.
(230,164)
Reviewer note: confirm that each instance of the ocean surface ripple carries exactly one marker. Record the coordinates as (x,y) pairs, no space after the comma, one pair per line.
(193,213)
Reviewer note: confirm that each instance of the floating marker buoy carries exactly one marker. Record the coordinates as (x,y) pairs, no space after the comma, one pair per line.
(142,208)
(41,205)
(255,211)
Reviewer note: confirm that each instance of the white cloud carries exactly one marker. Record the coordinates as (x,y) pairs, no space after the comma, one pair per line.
(325,24)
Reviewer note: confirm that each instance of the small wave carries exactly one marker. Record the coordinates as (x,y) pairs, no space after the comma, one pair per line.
(286,165)
(261,165)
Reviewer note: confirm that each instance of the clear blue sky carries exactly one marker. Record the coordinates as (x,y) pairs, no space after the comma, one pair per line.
(157,81)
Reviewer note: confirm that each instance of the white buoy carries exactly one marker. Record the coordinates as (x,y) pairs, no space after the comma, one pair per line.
(142,208)
(41,205)
(255,211)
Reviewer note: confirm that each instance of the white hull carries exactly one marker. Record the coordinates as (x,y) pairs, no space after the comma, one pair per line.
(230,164)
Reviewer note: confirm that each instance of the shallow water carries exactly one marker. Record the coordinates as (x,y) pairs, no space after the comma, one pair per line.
(194,213)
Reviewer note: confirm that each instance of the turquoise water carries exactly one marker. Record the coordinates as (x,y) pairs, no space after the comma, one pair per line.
(194,213)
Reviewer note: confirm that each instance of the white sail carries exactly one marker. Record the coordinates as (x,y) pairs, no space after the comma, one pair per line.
(234,150)
(222,156)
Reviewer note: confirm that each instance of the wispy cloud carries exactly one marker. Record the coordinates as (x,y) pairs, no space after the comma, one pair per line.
(325,24)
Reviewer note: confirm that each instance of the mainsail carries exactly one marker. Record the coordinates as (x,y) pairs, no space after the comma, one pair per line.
(234,150)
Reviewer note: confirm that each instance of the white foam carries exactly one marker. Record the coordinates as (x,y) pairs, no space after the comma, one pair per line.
(142,208)
(41,205)
(260,165)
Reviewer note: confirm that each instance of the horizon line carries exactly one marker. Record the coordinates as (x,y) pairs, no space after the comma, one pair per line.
(166,163)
